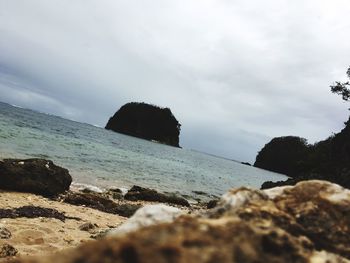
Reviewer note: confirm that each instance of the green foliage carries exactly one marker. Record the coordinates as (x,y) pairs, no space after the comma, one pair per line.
(342,88)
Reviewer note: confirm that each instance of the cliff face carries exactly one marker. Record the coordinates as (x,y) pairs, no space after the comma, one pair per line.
(147,122)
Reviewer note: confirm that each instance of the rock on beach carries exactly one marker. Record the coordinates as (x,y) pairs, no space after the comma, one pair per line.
(38,176)
(146,194)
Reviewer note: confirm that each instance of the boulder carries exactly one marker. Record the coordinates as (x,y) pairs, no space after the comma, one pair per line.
(99,202)
(36,176)
(146,194)
(147,216)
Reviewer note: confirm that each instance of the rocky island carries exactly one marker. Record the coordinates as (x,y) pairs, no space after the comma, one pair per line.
(146,121)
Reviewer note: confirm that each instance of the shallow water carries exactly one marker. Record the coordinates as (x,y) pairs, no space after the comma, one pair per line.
(103,158)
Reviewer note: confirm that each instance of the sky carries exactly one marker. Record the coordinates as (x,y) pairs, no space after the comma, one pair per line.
(235,73)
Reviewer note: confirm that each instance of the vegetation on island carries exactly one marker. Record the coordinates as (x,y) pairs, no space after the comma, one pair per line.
(327,160)
(146,121)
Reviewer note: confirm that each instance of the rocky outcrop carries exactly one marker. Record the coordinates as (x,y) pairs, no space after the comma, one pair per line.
(36,176)
(140,193)
(326,160)
(308,222)
(99,202)
(146,121)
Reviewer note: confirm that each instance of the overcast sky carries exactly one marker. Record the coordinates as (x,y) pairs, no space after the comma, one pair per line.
(234,73)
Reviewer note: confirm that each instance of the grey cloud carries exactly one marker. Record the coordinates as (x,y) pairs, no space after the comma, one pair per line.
(235,73)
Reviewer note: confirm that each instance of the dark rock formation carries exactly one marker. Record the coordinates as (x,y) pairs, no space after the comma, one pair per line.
(114,194)
(6,250)
(146,121)
(246,163)
(212,203)
(34,212)
(306,223)
(36,176)
(5,233)
(325,160)
(140,193)
(99,202)
(89,227)
(284,155)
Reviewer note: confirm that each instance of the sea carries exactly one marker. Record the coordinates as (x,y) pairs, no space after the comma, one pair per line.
(102,159)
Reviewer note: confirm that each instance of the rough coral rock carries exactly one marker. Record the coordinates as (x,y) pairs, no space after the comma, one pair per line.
(305,223)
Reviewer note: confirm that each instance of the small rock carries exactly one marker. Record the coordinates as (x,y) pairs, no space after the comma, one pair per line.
(212,203)
(140,193)
(68,239)
(147,216)
(4,233)
(87,227)
(100,234)
(114,193)
(6,250)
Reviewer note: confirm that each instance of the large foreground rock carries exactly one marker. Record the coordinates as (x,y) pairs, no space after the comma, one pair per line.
(36,176)
(308,222)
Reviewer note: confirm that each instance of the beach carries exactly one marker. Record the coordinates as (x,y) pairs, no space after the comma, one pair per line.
(40,236)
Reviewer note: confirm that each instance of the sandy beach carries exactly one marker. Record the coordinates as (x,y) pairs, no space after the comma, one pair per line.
(39,236)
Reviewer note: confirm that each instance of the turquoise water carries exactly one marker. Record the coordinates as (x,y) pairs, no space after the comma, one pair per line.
(105,159)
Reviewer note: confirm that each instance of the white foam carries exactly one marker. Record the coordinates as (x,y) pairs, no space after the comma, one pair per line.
(81,186)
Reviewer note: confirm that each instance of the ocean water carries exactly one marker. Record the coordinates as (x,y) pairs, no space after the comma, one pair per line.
(105,159)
